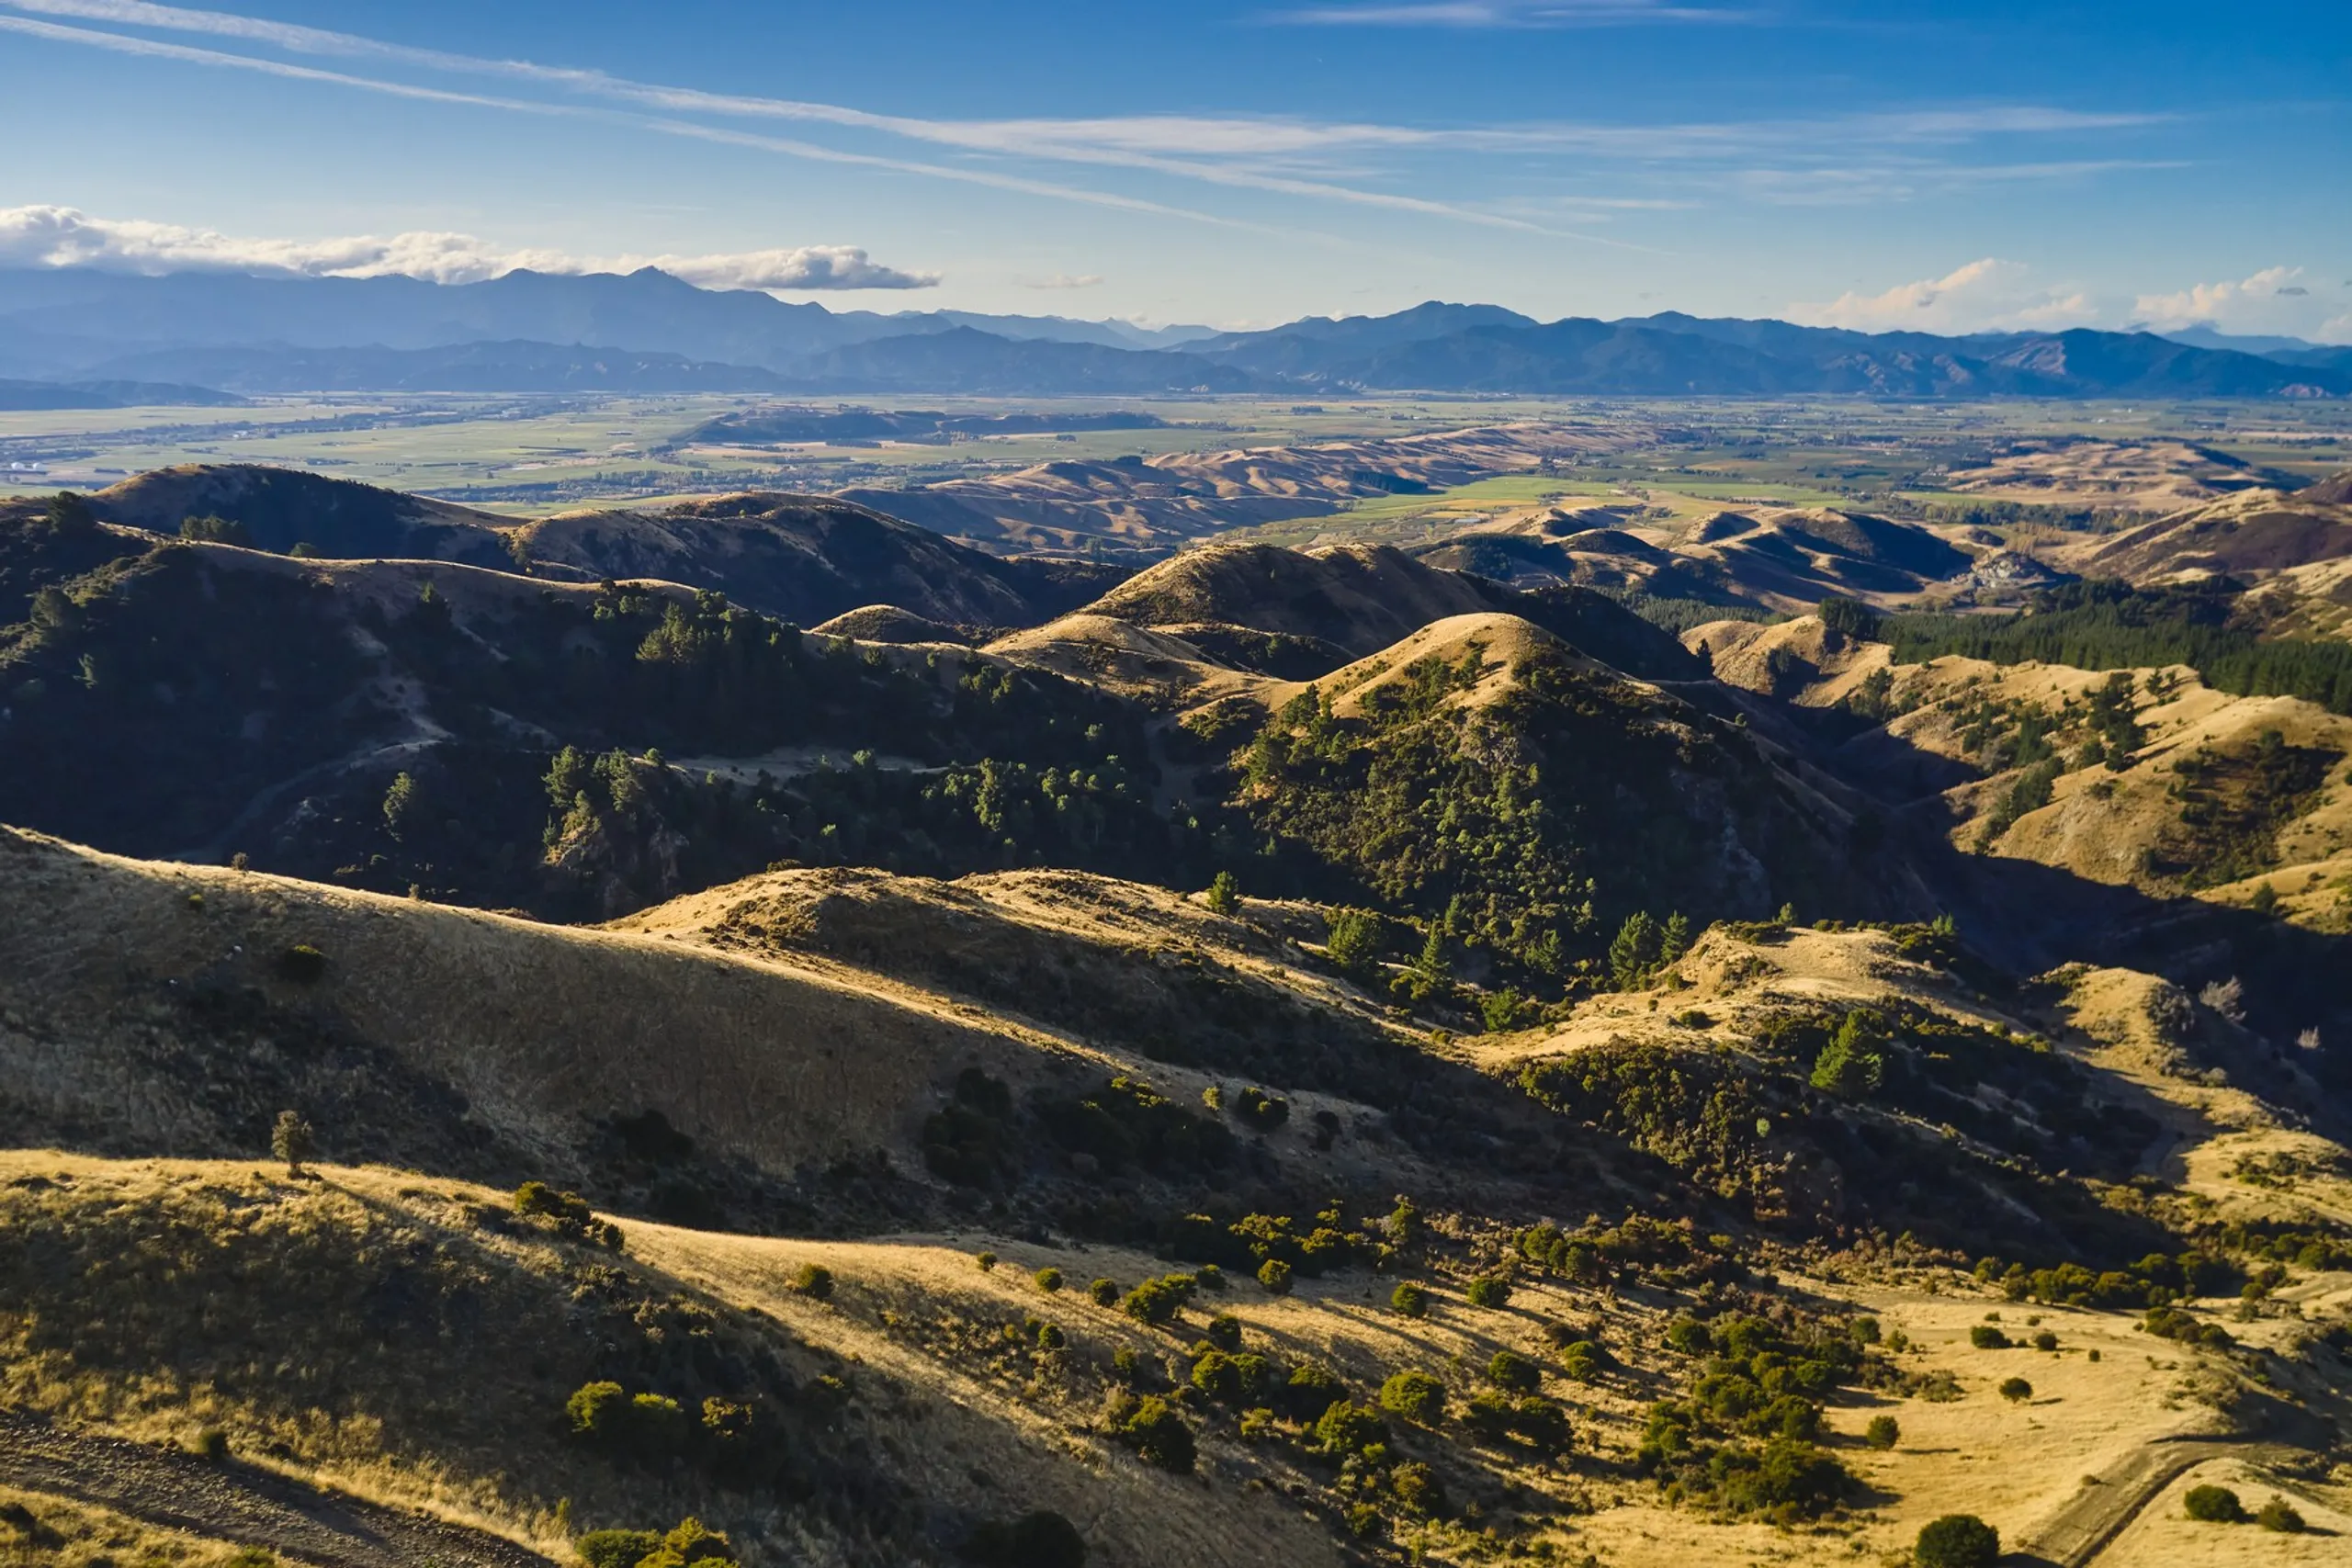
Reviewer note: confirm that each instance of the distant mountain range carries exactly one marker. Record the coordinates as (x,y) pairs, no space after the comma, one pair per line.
(648,331)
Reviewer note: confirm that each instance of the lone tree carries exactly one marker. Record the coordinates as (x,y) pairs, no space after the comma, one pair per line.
(292,1140)
(1957,1540)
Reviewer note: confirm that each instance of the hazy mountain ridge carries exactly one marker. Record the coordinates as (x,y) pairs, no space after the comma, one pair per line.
(82,322)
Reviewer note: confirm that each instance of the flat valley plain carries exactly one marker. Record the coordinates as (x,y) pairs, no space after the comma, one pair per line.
(530,455)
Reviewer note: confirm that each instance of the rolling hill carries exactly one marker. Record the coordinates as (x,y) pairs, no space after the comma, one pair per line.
(1301,1052)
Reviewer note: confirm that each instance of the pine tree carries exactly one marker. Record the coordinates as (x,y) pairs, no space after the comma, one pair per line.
(1675,942)
(1634,952)
(292,1140)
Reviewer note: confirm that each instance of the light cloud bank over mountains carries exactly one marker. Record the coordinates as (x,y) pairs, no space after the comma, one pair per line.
(1992,295)
(63,236)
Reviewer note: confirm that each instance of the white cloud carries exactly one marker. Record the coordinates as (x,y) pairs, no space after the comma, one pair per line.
(62,236)
(2270,303)
(1987,295)
(1064,280)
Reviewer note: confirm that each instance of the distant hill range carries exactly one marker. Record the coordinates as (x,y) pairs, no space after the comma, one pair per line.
(32,397)
(649,332)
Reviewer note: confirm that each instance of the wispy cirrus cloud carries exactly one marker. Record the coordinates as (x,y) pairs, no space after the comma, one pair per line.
(64,236)
(1802,160)
(1511,14)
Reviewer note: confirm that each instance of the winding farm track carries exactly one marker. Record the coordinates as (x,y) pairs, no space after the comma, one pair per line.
(241,1504)
(2075,1537)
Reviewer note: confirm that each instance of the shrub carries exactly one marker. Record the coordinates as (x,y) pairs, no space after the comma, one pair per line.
(1223,1332)
(1417,1396)
(1263,1111)
(1310,1390)
(212,1443)
(1156,1303)
(1276,1276)
(2017,1391)
(1418,1491)
(1225,893)
(1050,1337)
(814,1280)
(1104,1292)
(598,1411)
(1348,1428)
(1040,1539)
(1209,1277)
(656,1424)
(1215,1375)
(616,1548)
(2279,1515)
(291,1140)
(1689,1336)
(1788,1479)
(1957,1540)
(302,963)
(1158,1435)
(2045,1340)
(691,1542)
(1411,1300)
(1884,1432)
(1580,1361)
(1489,1291)
(2214,1505)
(1049,1280)
(1258,1425)
(987,1260)
(1509,1369)
(1985,1336)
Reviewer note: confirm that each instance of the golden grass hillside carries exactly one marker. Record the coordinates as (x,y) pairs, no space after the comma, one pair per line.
(154,1007)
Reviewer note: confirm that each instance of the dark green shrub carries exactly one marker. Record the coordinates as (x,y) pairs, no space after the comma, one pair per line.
(1260,1110)
(1580,1361)
(1276,1276)
(1788,1479)
(1215,1376)
(1985,1336)
(302,963)
(291,1140)
(986,1260)
(1223,1332)
(1209,1277)
(2279,1515)
(1049,1280)
(1411,1300)
(616,1548)
(657,1425)
(1225,893)
(1348,1428)
(1489,1291)
(1041,1539)
(1417,1490)
(598,1411)
(1884,1432)
(1353,939)
(212,1443)
(1158,1435)
(1957,1540)
(1310,1390)
(2017,1391)
(1513,1371)
(815,1281)
(1156,1303)
(1689,1337)
(692,1541)
(1417,1396)
(1104,1292)
(1050,1337)
(2214,1505)
(2045,1340)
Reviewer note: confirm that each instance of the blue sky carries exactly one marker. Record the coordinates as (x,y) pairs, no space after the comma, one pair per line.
(1942,166)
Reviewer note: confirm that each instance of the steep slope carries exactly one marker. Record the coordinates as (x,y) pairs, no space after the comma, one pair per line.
(281,508)
(807,558)
(1358,599)
(201,700)
(2294,547)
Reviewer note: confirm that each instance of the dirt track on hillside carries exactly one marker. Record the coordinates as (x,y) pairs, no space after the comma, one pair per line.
(228,1501)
